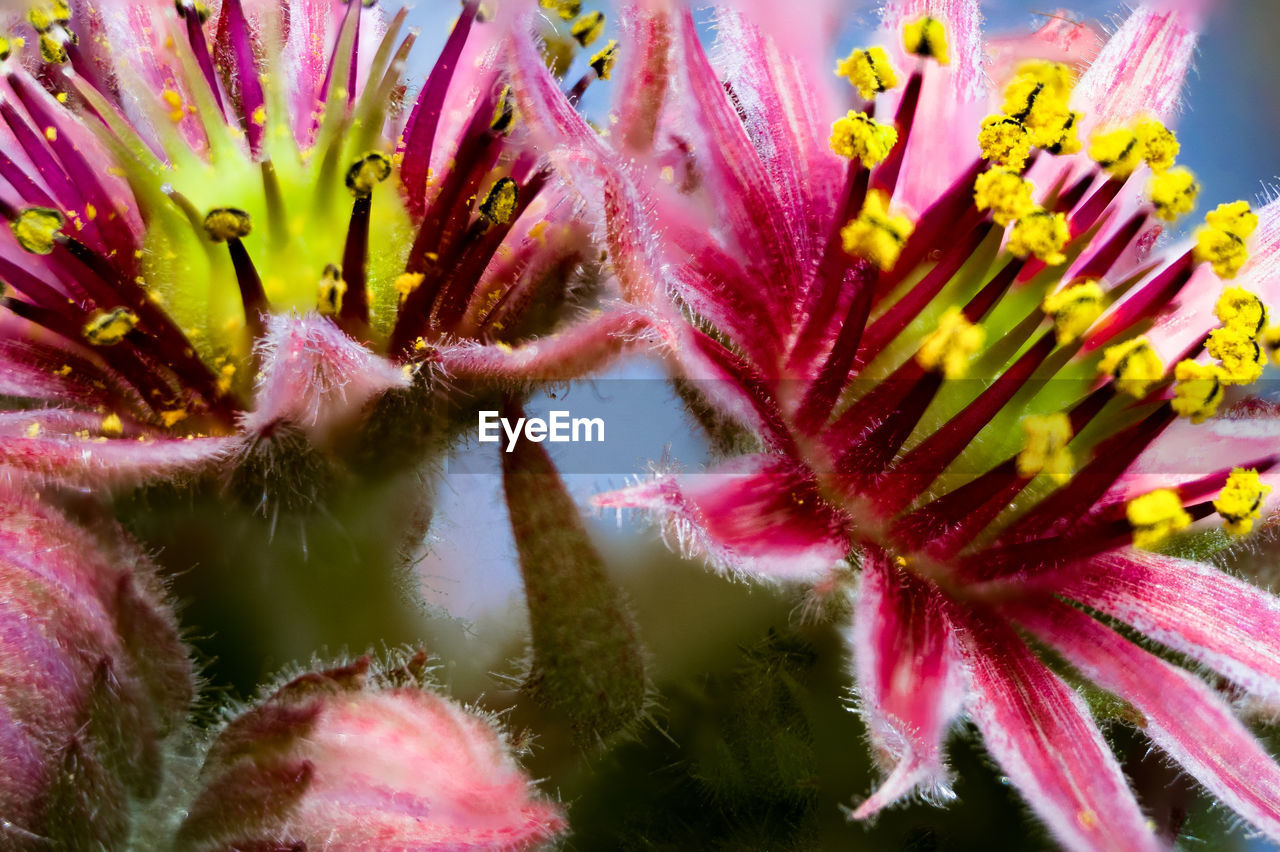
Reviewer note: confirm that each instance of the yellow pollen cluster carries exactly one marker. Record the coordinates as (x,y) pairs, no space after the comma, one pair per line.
(227,223)
(37,229)
(1198,389)
(1240,352)
(499,205)
(951,346)
(407,283)
(1121,150)
(1134,366)
(1241,500)
(566,9)
(1160,145)
(1173,193)
(330,291)
(107,328)
(1042,234)
(858,136)
(366,173)
(1221,242)
(1044,447)
(1155,517)
(1038,99)
(1005,141)
(1005,193)
(877,235)
(1074,309)
(504,114)
(588,28)
(604,60)
(1238,308)
(926,37)
(870,71)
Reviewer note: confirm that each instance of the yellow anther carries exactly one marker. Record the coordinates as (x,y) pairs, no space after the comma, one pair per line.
(1156,516)
(1005,140)
(107,328)
(1037,98)
(1074,309)
(952,345)
(1271,343)
(566,9)
(6,48)
(407,283)
(1134,366)
(858,136)
(870,71)
(1173,193)
(504,114)
(37,229)
(1241,500)
(1057,78)
(225,376)
(1117,151)
(52,49)
(1198,390)
(173,417)
(1005,194)
(1044,447)
(1234,218)
(877,235)
(1240,309)
(1160,146)
(499,205)
(331,291)
(926,37)
(604,60)
(112,425)
(227,223)
(61,11)
(588,28)
(1242,356)
(367,172)
(1042,234)
(173,100)
(40,17)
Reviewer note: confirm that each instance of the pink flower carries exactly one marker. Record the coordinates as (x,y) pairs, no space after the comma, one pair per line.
(201,252)
(93,678)
(348,760)
(942,323)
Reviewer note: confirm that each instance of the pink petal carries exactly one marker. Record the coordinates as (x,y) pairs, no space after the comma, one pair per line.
(1040,733)
(579,349)
(645,74)
(963,18)
(1142,67)
(1181,715)
(315,376)
(107,462)
(909,679)
(759,515)
(1195,609)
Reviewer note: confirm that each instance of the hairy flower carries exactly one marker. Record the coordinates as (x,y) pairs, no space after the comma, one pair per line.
(222,229)
(93,678)
(349,759)
(841,302)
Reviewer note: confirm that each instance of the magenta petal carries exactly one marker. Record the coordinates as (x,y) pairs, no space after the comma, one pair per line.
(1040,733)
(1195,609)
(107,462)
(1181,715)
(315,376)
(909,679)
(760,515)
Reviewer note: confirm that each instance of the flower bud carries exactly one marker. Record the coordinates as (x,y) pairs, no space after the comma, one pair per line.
(346,759)
(93,676)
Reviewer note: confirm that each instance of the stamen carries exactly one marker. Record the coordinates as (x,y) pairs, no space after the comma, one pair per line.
(1074,309)
(1239,309)
(1044,447)
(869,71)
(1005,140)
(1173,193)
(566,9)
(876,235)
(858,136)
(604,60)
(1118,151)
(1156,516)
(952,345)
(926,37)
(588,28)
(500,203)
(504,114)
(230,225)
(1043,234)
(1242,356)
(1134,365)
(1005,194)
(37,229)
(366,173)
(1241,500)
(107,328)
(1198,389)
(1160,146)
(331,291)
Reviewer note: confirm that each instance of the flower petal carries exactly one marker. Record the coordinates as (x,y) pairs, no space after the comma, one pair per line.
(1195,609)
(909,679)
(1040,733)
(760,515)
(1180,713)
